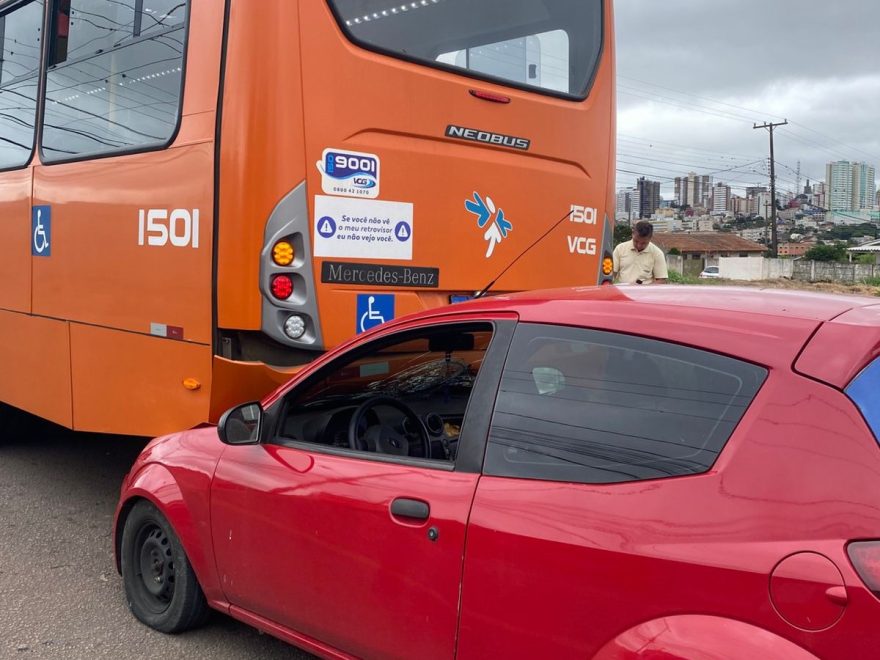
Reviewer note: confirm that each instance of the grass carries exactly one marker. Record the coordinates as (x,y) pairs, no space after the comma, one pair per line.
(678,278)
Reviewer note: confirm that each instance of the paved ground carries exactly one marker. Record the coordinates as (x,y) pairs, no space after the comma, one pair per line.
(60,594)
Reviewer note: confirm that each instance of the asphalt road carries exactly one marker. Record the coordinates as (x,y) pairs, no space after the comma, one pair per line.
(60,594)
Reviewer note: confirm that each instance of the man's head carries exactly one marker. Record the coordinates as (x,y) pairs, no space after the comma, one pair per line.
(642,233)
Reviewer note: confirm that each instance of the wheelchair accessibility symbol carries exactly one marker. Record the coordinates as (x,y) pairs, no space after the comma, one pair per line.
(373,310)
(41,228)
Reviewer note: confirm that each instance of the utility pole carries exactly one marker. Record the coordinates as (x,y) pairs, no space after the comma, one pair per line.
(770,127)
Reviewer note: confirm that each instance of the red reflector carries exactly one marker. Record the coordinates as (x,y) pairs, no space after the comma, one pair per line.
(488,96)
(865,558)
(282,286)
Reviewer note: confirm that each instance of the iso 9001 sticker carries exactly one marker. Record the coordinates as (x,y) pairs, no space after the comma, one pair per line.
(349,173)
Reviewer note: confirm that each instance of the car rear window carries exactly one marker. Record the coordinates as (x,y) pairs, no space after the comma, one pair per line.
(864,391)
(597,407)
(550,46)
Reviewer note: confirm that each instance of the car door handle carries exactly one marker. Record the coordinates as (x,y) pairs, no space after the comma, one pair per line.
(412,509)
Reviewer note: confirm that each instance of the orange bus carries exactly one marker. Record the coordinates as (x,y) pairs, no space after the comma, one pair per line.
(199,196)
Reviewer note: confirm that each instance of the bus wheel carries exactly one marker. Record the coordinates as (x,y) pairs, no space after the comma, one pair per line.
(160,585)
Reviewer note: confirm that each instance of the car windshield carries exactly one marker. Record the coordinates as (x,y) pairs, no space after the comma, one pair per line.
(547,45)
(417,367)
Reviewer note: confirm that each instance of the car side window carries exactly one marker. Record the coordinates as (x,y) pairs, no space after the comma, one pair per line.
(403,396)
(587,406)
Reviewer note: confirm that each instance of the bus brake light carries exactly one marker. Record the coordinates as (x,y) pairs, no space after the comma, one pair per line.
(282,286)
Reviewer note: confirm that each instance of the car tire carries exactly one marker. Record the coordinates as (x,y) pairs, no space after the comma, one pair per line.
(160,584)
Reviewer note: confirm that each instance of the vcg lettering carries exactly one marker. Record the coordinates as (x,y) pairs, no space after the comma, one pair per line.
(581,245)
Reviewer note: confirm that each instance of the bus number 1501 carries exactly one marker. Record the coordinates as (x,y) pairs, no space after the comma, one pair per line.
(180,227)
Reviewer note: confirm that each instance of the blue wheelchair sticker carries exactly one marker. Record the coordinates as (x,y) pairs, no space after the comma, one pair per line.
(41,231)
(373,309)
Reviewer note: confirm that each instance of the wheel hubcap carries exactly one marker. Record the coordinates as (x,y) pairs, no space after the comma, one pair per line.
(157,565)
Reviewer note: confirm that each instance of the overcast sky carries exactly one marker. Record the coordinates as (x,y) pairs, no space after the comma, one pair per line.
(695,75)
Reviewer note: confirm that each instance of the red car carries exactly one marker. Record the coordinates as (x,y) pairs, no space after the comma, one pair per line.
(655,472)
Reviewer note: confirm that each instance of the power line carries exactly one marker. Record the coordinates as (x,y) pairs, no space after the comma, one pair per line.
(770,126)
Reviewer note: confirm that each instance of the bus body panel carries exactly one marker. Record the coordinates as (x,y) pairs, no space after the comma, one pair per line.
(35,354)
(121,376)
(236,382)
(202,58)
(15,240)
(114,223)
(399,111)
(261,142)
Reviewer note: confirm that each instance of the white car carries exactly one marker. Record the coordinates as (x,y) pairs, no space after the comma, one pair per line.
(709,272)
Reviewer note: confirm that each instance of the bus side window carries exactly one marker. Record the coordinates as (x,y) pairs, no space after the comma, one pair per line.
(19,70)
(114,77)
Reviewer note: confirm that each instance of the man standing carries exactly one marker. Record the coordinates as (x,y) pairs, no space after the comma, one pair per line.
(639,261)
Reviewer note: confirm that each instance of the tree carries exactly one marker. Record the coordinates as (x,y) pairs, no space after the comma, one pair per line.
(674,250)
(826,253)
(622,233)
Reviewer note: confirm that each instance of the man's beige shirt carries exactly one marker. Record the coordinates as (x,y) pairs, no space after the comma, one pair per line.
(631,265)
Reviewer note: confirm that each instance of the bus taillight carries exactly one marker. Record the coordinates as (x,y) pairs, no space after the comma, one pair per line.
(295,326)
(282,253)
(282,286)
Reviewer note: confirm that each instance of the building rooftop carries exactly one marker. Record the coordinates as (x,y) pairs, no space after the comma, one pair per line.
(705,242)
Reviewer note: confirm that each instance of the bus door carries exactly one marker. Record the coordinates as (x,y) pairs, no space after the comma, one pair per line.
(123,200)
(25,365)
(20,30)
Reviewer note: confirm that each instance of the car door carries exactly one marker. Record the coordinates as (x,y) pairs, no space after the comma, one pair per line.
(596,484)
(362,548)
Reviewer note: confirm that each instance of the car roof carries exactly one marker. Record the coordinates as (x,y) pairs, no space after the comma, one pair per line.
(783,303)
(767,326)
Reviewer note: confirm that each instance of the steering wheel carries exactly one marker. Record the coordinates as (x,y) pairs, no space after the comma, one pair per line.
(381,438)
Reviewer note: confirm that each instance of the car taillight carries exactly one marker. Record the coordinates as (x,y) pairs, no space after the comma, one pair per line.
(282,286)
(865,558)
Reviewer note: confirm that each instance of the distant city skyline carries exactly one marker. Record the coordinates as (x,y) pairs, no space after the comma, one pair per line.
(690,93)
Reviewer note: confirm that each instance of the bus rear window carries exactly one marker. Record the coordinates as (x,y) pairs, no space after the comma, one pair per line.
(550,46)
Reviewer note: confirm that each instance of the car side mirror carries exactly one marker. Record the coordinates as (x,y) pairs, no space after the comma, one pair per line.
(241,425)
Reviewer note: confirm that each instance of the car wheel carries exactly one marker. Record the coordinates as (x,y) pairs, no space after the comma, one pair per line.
(160,584)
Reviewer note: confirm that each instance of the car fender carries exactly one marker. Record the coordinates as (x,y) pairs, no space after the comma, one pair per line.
(157,483)
(699,637)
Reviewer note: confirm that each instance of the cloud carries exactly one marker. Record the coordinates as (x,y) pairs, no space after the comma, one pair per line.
(697,75)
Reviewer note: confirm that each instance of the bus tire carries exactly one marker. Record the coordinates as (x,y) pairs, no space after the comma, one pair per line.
(160,585)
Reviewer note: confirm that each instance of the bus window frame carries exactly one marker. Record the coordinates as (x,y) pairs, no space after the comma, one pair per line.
(111,153)
(5,10)
(468,73)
